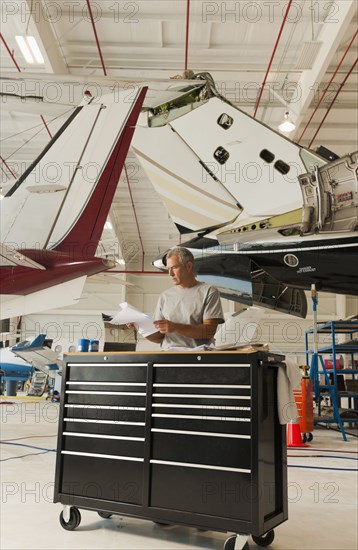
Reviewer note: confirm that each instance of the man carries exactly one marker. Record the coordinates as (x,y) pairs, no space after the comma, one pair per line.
(188,314)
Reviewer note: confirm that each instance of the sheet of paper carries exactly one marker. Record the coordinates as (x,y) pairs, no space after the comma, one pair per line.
(130,314)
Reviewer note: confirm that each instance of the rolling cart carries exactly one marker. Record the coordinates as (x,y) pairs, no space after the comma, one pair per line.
(176,438)
(37,384)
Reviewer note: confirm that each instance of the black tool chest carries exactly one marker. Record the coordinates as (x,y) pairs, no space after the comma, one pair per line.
(179,438)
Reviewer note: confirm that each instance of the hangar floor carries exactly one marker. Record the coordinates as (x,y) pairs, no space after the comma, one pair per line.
(322,493)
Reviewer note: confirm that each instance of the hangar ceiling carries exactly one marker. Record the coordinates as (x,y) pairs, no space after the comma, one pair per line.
(303,51)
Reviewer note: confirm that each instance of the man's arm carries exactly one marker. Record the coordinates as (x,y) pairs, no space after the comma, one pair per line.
(156,337)
(204,331)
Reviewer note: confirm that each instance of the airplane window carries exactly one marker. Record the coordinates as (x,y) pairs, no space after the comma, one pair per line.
(221,155)
(267,156)
(282,167)
(225,121)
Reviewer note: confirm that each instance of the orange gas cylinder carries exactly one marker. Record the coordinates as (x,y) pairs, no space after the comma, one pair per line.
(304,402)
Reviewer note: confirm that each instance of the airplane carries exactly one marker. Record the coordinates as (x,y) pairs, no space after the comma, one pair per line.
(20,362)
(13,369)
(52,218)
(266,218)
(39,354)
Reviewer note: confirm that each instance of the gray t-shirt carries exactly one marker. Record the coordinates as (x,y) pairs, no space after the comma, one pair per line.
(188,306)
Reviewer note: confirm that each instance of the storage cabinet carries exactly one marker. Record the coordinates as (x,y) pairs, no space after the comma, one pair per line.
(184,438)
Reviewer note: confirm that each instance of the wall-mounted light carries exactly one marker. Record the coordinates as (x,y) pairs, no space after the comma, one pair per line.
(30,49)
(287,125)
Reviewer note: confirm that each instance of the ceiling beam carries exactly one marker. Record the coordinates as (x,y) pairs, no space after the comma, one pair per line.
(41,29)
(331,36)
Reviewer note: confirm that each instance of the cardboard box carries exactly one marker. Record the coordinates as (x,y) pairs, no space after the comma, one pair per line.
(352,386)
(328,363)
(119,333)
(119,338)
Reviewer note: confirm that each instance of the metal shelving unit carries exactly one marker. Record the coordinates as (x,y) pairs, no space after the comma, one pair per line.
(330,387)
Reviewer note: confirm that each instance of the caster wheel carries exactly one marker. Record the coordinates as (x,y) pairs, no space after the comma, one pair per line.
(266,539)
(304,438)
(309,436)
(230,544)
(104,515)
(74,521)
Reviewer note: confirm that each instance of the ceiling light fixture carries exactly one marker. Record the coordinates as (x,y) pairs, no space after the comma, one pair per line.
(30,49)
(34,47)
(25,50)
(287,125)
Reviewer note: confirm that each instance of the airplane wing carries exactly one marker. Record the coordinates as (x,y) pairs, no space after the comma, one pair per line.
(64,294)
(10,257)
(240,328)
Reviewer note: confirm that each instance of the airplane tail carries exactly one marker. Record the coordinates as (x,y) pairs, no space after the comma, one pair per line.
(37,354)
(62,200)
(36,343)
(212,164)
(88,227)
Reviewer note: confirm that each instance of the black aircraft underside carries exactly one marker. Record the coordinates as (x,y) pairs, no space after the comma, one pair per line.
(265,291)
(280,272)
(330,264)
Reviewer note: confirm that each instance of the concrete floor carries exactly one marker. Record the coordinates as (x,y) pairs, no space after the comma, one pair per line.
(322,502)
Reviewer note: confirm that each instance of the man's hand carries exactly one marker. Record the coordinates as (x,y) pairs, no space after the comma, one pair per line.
(165,327)
(203,331)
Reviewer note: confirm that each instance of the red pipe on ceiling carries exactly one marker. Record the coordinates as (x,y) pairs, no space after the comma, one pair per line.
(328,85)
(137,272)
(10,53)
(333,100)
(187,34)
(135,216)
(8,167)
(272,56)
(47,128)
(96,36)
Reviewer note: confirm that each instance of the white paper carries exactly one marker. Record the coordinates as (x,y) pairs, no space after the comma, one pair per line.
(203,347)
(129,314)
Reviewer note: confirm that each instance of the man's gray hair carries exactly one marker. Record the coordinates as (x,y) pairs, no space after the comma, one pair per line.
(183,254)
